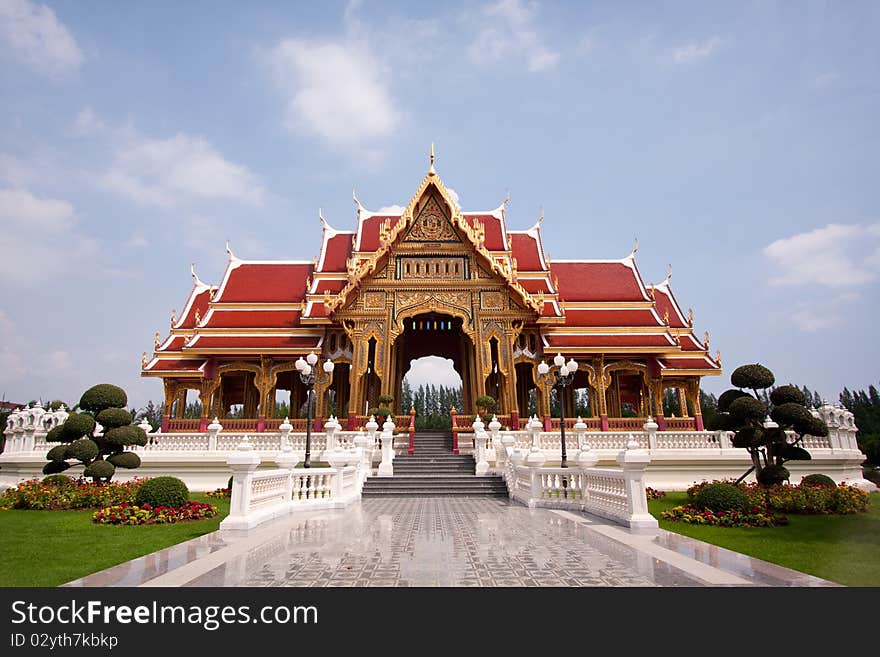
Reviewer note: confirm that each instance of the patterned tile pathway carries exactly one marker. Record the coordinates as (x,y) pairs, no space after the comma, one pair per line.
(445,542)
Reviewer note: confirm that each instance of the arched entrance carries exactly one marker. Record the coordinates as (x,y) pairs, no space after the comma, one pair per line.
(434,334)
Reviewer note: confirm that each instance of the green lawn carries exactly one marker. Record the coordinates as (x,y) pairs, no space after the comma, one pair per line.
(843,549)
(48,548)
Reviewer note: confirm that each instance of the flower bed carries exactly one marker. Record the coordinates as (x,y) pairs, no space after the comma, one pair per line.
(754,517)
(131,514)
(220,492)
(34,494)
(653,494)
(804,499)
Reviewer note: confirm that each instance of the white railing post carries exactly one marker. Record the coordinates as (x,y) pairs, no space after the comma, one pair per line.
(243,461)
(723,438)
(365,445)
(284,429)
(633,461)
(502,451)
(495,431)
(330,428)
(386,467)
(650,428)
(534,430)
(480,438)
(372,427)
(213,429)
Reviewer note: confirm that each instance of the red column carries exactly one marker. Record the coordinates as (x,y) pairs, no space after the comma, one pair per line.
(203,425)
(454,432)
(352,421)
(412,431)
(603,422)
(261,424)
(514,421)
(661,423)
(548,424)
(166,420)
(698,421)
(318,425)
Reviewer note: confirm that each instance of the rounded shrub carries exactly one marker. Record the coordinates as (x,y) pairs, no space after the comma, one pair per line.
(57,453)
(720,496)
(127,460)
(99,470)
(128,435)
(162,491)
(485,401)
(380,413)
(728,397)
(753,377)
(748,437)
(76,426)
(82,450)
(747,408)
(787,395)
(721,422)
(814,426)
(54,435)
(772,475)
(820,480)
(54,467)
(57,481)
(101,396)
(385,399)
(114,417)
(790,414)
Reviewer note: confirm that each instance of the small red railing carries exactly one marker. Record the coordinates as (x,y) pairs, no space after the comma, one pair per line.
(626,423)
(680,424)
(184,424)
(239,424)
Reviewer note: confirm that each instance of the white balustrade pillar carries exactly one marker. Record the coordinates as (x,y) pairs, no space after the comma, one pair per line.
(372,427)
(243,462)
(284,428)
(495,431)
(534,430)
(330,428)
(386,467)
(633,461)
(723,439)
(650,428)
(480,438)
(502,451)
(213,429)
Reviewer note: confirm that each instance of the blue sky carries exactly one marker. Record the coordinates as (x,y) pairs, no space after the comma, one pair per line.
(737,141)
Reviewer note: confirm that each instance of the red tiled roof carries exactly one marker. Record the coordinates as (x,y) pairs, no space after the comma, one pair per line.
(526,251)
(665,303)
(597,281)
(253,318)
(250,282)
(368,231)
(690,343)
(616,340)
(338,249)
(200,304)
(494,231)
(177,365)
(254,342)
(176,344)
(534,285)
(688,364)
(331,285)
(605,317)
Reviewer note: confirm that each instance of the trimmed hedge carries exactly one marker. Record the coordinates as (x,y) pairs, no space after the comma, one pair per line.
(99,470)
(771,475)
(162,491)
(76,426)
(721,497)
(58,481)
(126,460)
(114,417)
(58,453)
(747,408)
(54,467)
(753,377)
(83,450)
(787,395)
(101,396)
(821,480)
(128,435)
(728,397)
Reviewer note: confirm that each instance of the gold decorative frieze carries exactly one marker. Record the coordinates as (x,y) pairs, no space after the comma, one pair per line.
(374,300)
(493,300)
(434,268)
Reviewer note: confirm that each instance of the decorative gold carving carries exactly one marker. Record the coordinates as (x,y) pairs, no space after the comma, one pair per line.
(198,317)
(432,268)
(666,317)
(493,300)
(690,317)
(432,225)
(374,300)
(706,340)
(144,359)
(156,339)
(173,317)
(718,357)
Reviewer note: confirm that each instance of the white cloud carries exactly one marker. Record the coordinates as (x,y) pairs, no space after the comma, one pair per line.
(16,172)
(88,122)
(837,255)
(510,33)
(164,172)
(336,92)
(433,370)
(21,211)
(37,239)
(695,51)
(37,37)
(391,209)
(137,241)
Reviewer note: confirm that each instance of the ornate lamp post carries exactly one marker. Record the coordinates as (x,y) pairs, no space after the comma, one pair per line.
(564,376)
(308,375)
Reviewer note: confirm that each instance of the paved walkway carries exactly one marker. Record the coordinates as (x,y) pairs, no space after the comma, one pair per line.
(445,542)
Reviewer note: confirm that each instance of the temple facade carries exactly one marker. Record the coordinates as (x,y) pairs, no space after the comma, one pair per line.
(431,280)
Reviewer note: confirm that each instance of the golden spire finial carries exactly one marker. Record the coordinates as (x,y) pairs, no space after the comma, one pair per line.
(718,356)
(506,199)
(173,317)
(321,217)
(144,360)
(156,339)
(431,171)
(668,273)
(666,317)
(706,339)
(690,317)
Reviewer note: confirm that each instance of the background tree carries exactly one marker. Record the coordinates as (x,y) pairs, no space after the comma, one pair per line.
(865,407)
(152,413)
(766,442)
(100,452)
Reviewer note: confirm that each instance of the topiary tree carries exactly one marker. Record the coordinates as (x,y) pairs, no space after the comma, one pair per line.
(485,403)
(761,430)
(99,451)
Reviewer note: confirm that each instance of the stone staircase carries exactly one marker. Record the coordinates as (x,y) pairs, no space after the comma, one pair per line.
(434,471)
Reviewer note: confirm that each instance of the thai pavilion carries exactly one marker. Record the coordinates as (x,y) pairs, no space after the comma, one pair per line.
(431,280)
